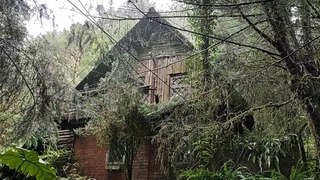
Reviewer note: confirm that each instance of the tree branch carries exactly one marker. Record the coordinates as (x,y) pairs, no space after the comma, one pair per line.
(210,36)
(269,105)
(20,72)
(176,16)
(224,5)
(262,34)
(313,8)
(295,51)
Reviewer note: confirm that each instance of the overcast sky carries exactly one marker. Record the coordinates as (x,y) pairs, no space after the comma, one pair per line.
(60,11)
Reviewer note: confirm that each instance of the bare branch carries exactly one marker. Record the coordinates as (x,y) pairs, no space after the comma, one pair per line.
(223,5)
(313,8)
(262,34)
(210,36)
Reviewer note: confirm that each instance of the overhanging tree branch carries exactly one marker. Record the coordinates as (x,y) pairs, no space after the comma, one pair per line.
(223,5)
(313,8)
(268,105)
(262,34)
(210,36)
(298,49)
(20,72)
(176,16)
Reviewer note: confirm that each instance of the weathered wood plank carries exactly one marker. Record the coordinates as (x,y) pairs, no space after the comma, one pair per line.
(161,67)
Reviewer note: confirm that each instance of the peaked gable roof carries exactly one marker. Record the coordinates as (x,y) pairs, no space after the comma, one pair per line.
(138,38)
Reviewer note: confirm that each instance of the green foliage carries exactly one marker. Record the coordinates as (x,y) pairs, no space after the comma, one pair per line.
(267,152)
(299,172)
(120,115)
(27,162)
(192,126)
(226,172)
(196,174)
(120,118)
(203,25)
(58,159)
(13,32)
(120,121)
(210,142)
(304,171)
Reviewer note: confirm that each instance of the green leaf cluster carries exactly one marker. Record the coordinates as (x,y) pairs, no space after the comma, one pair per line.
(28,163)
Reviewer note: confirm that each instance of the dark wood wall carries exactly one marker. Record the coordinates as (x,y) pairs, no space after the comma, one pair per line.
(157,76)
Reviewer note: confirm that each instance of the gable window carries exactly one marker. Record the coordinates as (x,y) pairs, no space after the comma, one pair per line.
(143,88)
(145,93)
(176,84)
(141,81)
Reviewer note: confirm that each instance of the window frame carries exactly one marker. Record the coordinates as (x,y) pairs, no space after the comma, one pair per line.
(175,86)
(115,165)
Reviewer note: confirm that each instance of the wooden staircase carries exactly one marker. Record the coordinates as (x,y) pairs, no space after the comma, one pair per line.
(66,139)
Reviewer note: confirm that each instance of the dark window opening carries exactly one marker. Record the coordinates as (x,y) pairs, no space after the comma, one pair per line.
(116,157)
(144,90)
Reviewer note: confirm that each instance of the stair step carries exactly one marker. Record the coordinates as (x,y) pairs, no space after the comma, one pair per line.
(65,133)
(66,136)
(65,146)
(65,140)
(65,130)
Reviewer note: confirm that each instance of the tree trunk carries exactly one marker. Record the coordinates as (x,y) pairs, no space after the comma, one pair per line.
(300,63)
(314,113)
(205,26)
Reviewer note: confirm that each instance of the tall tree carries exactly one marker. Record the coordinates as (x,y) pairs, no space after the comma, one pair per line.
(300,62)
(30,88)
(287,36)
(206,26)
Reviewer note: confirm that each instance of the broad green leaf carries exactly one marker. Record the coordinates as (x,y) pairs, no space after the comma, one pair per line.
(28,163)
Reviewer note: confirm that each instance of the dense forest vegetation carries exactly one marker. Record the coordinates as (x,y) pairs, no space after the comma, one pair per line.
(252,110)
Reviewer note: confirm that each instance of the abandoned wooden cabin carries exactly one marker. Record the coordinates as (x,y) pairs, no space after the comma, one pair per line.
(161,50)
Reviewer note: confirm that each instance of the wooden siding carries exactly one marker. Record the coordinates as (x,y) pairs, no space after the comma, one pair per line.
(158,79)
(165,44)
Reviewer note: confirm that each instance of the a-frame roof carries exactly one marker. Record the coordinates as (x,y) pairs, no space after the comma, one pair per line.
(144,31)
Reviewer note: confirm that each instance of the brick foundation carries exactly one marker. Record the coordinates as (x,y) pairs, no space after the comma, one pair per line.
(91,159)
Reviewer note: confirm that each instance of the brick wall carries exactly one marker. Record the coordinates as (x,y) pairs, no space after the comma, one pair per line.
(144,165)
(91,159)
(154,168)
(90,156)
(141,163)
(116,175)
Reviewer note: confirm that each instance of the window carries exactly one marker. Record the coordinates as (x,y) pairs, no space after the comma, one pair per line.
(176,84)
(115,158)
(144,88)
(141,80)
